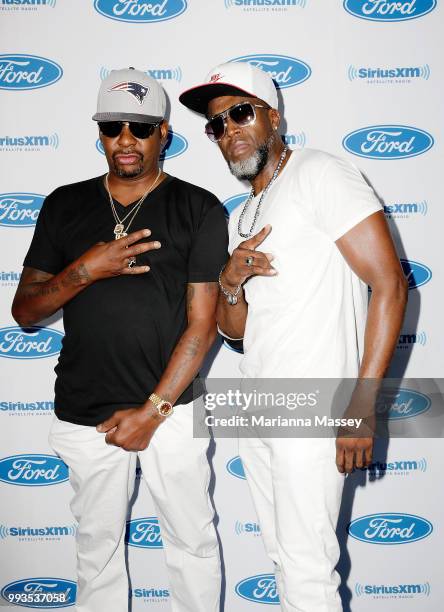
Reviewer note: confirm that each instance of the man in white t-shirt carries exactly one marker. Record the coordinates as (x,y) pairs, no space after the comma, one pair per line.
(300,305)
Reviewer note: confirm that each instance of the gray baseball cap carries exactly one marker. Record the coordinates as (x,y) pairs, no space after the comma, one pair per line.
(130,95)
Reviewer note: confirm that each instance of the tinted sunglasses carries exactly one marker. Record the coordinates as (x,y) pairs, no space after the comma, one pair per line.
(241,114)
(137,129)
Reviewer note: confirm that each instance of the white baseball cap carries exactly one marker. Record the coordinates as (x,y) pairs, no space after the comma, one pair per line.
(130,95)
(231,79)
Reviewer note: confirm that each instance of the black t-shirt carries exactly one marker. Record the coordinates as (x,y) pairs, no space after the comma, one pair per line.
(121,331)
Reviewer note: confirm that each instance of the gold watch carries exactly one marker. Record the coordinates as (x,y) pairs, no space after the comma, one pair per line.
(164,408)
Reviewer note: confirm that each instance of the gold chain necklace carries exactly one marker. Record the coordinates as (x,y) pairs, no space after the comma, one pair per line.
(119,229)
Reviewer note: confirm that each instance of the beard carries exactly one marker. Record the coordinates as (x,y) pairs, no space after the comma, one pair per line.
(248,169)
(124,172)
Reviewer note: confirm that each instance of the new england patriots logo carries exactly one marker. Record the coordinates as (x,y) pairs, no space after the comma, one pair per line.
(135,89)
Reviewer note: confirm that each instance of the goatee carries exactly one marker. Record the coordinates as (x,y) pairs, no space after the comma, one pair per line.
(248,169)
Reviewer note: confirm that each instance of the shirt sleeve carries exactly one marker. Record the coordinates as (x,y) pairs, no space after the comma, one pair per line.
(209,251)
(343,198)
(44,252)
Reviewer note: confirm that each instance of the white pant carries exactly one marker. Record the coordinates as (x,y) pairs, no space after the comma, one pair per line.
(177,473)
(297,491)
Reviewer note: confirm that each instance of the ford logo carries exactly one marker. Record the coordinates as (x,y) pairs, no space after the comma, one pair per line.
(233,202)
(388,10)
(175,146)
(390,528)
(33,470)
(144,533)
(417,274)
(402,404)
(27,72)
(20,209)
(40,593)
(388,142)
(99,146)
(29,343)
(235,468)
(259,589)
(140,11)
(285,71)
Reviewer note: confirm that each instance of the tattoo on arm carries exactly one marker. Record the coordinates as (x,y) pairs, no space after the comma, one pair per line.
(76,275)
(191,350)
(190,295)
(37,290)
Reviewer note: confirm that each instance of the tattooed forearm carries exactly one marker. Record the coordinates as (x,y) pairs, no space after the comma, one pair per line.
(38,290)
(76,276)
(186,352)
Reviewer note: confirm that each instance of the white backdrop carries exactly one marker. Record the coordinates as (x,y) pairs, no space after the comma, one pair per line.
(368,67)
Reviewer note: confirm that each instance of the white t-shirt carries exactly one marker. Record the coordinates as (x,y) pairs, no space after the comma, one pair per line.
(309,319)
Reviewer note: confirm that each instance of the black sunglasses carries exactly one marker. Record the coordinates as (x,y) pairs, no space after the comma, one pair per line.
(242,114)
(137,129)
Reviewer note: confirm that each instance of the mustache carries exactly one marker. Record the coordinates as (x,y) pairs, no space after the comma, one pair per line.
(127,152)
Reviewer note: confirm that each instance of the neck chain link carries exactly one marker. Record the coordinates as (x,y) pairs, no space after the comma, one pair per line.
(264,193)
(119,230)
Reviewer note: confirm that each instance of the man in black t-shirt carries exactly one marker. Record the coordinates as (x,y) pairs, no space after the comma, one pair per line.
(133,258)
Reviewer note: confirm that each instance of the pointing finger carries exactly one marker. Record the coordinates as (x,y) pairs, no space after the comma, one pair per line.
(253,242)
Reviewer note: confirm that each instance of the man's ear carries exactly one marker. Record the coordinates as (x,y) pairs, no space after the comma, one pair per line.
(275,118)
(163,131)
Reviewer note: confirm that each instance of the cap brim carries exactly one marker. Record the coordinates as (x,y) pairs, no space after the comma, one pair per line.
(197,98)
(126,117)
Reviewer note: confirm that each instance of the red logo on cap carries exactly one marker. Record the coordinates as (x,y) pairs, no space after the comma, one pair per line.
(215,77)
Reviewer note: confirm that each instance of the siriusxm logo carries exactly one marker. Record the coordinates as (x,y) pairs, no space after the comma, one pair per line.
(285,71)
(174,146)
(388,142)
(403,404)
(144,533)
(390,528)
(396,467)
(27,407)
(231,203)
(27,72)
(392,590)
(28,143)
(9,279)
(251,528)
(29,343)
(400,74)
(403,210)
(20,209)
(33,470)
(150,595)
(259,589)
(416,273)
(298,140)
(160,74)
(53,532)
(267,5)
(140,11)
(25,4)
(389,10)
(235,468)
(408,340)
(40,593)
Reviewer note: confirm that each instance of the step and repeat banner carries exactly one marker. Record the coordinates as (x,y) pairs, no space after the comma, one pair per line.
(361,79)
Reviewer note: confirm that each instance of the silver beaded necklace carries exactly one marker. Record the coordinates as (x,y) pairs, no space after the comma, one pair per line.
(264,193)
